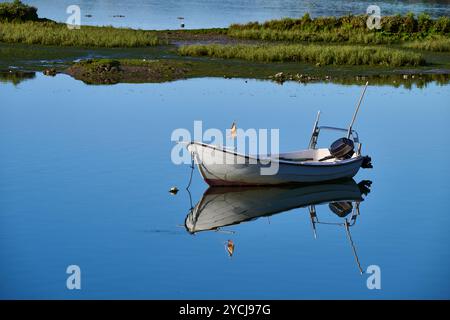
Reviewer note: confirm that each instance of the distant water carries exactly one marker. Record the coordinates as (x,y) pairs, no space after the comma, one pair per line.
(155,14)
(85,173)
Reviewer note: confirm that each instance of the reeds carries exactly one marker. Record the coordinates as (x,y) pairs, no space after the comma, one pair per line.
(51,33)
(326,36)
(317,54)
(351,29)
(439,44)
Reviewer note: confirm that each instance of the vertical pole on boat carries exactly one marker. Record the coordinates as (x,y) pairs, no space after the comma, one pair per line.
(313,140)
(356,111)
(347,229)
(317,119)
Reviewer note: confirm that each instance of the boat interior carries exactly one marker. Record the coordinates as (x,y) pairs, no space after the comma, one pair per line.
(308,155)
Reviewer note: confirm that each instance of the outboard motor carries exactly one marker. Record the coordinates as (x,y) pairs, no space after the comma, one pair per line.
(342,208)
(342,148)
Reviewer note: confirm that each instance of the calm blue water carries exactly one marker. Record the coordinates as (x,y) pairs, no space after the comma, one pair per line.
(85,173)
(154,14)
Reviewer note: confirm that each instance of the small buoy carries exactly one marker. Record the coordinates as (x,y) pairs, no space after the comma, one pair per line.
(182,25)
(173,190)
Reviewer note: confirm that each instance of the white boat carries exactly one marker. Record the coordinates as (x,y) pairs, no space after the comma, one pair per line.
(240,169)
(221,166)
(222,206)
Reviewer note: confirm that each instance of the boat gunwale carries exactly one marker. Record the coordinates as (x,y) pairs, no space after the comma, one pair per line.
(281,161)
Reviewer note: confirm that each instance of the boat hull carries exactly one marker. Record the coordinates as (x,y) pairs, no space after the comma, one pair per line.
(222,167)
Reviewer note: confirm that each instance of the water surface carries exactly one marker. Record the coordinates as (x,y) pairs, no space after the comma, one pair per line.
(85,173)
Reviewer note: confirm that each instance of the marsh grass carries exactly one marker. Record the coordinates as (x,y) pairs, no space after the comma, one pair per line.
(326,36)
(106,63)
(318,54)
(439,44)
(350,29)
(52,33)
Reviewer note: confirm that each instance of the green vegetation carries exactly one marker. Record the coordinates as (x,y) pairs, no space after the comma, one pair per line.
(318,54)
(100,65)
(52,33)
(419,42)
(17,11)
(439,44)
(19,23)
(351,29)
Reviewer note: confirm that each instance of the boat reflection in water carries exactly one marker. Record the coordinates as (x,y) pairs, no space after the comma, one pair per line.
(226,206)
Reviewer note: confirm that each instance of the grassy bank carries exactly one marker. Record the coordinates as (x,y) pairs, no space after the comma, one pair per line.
(19,23)
(52,33)
(111,71)
(27,40)
(438,44)
(317,54)
(351,29)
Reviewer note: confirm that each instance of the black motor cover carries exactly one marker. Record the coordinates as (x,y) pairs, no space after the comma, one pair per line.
(342,148)
(342,208)
(367,163)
